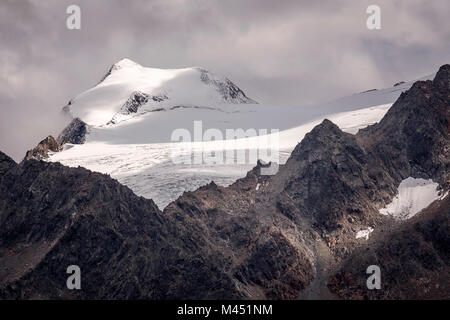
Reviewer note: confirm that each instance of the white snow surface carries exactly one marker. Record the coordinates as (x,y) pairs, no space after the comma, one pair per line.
(364,233)
(185,87)
(139,151)
(414,195)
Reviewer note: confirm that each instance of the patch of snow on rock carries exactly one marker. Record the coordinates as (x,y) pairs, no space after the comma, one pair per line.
(364,233)
(414,195)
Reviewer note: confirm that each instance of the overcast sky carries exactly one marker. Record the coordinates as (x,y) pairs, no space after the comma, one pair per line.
(283,52)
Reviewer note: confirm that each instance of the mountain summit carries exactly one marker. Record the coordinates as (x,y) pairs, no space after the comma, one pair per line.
(129,88)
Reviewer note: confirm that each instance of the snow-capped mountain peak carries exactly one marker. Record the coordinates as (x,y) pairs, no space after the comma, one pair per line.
(125,63)
(128,84)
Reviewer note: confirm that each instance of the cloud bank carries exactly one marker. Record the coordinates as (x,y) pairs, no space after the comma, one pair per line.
(279,52)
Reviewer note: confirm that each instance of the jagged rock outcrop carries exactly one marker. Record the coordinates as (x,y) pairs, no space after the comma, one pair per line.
(227,89)
(134,102)
(74,132)
(41,151)
(52,216)
(267,254)
(6,163)
(123,244)
(398,83)
(329,164)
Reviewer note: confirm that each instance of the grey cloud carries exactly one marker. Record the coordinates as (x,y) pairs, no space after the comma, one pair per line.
(285,52)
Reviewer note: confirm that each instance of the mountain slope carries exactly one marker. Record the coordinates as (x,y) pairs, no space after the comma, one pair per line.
(415,132)
(52,217)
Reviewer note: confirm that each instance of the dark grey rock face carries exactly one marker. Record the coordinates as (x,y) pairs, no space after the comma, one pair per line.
(327,177)
(52,216)
(134,102)
(75,133)
(262,256)
(6,163)
(411,140)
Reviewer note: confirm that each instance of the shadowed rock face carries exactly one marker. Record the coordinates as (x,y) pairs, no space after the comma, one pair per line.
(292,233)
(413,137)
(6,163)
(411,140)
(266,254)
(52,216)
(327,177)
(75,133)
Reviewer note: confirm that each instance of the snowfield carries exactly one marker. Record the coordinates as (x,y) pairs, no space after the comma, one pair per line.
(147,105)
(150,171)
(364,233)
(414,195)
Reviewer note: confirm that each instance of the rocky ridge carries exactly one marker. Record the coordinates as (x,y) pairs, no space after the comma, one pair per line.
(41,151)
